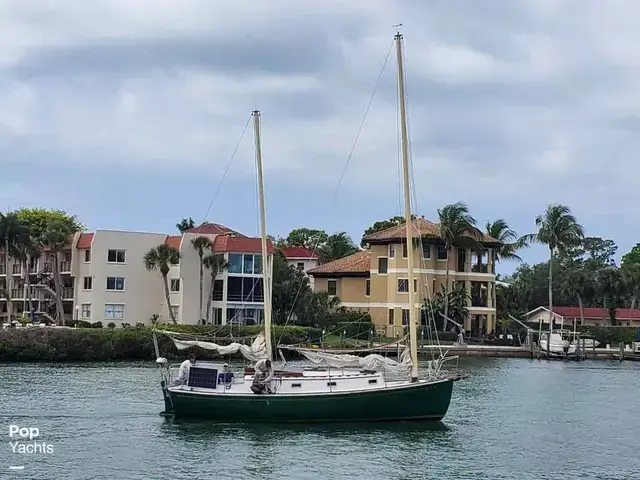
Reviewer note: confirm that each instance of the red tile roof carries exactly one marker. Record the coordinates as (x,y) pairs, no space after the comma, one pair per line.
(597,312)
(85,240)
(357,263)
(421,227)
(242,244)
(174,241)
(213,229)
(298,252)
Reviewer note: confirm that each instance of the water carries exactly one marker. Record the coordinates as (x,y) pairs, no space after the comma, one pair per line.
(514,419)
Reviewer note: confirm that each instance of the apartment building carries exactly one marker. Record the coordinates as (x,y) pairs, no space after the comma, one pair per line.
(376,280)
(105,279)
(302,258)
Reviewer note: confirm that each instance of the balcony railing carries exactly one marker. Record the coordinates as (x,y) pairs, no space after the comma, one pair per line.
(482,268)
(67,292)
(217,296)
(65,267)
(232,297)
(17,293)
(16,269)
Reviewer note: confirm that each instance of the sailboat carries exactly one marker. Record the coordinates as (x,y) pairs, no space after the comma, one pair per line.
(348,388)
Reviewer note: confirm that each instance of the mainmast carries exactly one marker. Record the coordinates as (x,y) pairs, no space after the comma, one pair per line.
(407,212)
(266,273)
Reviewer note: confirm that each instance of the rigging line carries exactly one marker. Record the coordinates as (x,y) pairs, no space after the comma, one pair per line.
(224,175)
(344,170)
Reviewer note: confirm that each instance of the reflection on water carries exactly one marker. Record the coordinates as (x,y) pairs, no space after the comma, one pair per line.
(513,419)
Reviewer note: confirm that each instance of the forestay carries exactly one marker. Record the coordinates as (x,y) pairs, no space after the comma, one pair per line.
(255,352)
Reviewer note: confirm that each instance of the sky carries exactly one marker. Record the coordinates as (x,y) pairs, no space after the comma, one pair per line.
(127,113)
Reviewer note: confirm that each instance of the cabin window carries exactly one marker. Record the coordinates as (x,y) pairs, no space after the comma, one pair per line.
(383,265)
(296,385)
(331,384)
(371,382)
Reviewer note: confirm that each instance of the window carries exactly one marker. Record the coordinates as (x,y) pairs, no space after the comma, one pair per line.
(116,256)
(403,285)
(85,310)
(217,316)
(405,316)
(415,285)
(218,287)
(175,285)
(243,289)
(383,265)
(373,381)
(367,287)
(114,310)
(257,264)
(175,309)
(67,257)
(392,251)
(248,264)
(426,251)
(404,250)
(332,287)
(115,283)
(442,252)
(87,283)
(87,255)
(300,265)
(391,317)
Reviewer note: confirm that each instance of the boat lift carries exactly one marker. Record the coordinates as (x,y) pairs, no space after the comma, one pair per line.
(529,338)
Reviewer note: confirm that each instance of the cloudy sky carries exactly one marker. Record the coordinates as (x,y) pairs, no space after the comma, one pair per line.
(126,112)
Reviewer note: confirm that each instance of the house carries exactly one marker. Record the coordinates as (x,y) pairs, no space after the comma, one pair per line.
(593,316)
(302,258)
(105,279)
(376,280)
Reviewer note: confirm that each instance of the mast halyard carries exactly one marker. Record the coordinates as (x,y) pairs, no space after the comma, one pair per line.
(266,276)
(407,213)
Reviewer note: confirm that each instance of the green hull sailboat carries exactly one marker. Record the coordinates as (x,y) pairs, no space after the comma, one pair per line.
(345,388)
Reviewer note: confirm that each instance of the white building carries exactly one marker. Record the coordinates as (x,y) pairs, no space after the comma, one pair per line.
(105,279)
(301,258)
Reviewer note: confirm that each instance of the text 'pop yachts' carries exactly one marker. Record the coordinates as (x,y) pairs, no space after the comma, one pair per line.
(30,433)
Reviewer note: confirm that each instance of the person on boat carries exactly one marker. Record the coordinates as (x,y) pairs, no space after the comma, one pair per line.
(183,373)
(262,376)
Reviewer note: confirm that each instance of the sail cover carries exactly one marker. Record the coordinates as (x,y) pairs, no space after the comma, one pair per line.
(370,362)
(255,352)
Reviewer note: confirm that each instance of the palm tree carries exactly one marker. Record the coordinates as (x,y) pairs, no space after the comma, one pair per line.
(161,258)
(576,285)
(12,233)
(631,274)
(611,285)
(56,237)
(457,228)
(337,246)
(559,230)
(200,244)
(511,243)
(215,263)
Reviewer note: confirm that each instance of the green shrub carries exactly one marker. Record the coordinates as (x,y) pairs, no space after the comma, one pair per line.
(111,325)
(80,324)
(355,330)
(97,325)
(125,325)
(140,325)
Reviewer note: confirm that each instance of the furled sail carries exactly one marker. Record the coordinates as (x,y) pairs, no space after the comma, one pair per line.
(255,352)
(369,362)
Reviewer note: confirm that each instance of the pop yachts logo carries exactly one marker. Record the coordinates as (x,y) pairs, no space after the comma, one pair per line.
(24,440)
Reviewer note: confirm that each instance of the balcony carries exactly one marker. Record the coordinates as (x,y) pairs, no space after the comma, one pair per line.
(67,293)
(17,293)
(3,269)
(65,267)
(480,268)
(16,269)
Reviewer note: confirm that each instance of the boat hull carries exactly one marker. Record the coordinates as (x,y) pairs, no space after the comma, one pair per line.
(417,402)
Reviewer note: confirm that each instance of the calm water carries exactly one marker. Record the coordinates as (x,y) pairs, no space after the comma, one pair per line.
(514,419)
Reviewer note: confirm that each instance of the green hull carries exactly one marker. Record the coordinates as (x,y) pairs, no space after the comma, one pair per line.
(420,401)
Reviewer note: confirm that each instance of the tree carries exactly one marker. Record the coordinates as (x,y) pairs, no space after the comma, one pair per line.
(38,220)
(315,309)
(575,285)
(13,233)
(27,249)
(215,263)
(559,230)
(200,244)
(383,225)
(307,238)
(456,229)
(290,289)
(631,275)
(511,243)
(185,224)
(633,256)
(337,246)
(612,286)
(455,303)
(161,258)
(56,236)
